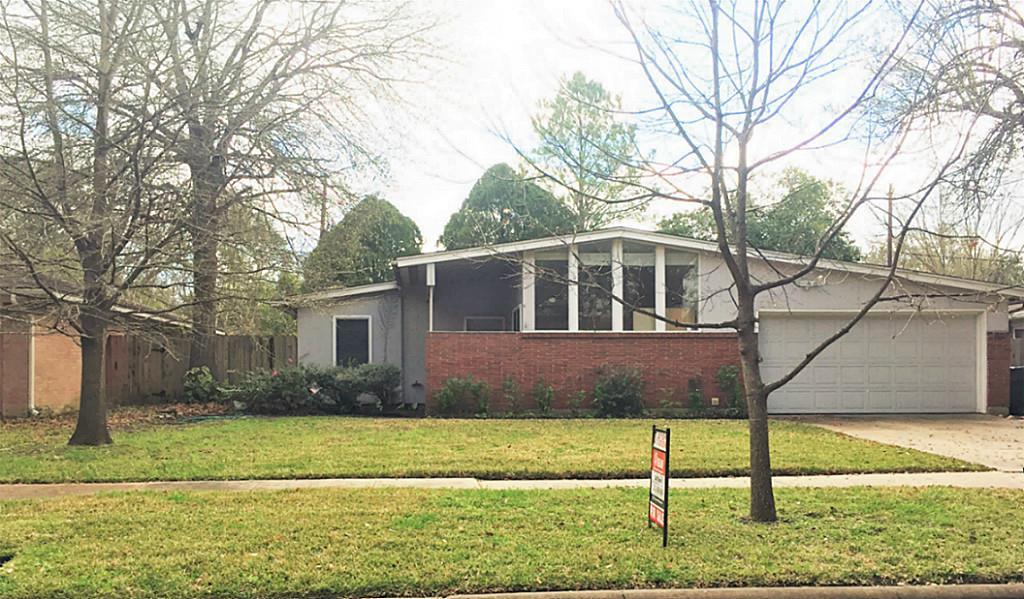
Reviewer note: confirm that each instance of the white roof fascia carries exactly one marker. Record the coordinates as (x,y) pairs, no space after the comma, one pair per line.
(343,292)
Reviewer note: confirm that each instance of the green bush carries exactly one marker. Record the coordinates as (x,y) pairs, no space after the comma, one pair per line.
(290,391)
(728,379)
(513,395)
(576,401)
(695,394)
(383,381)
(543,396)
(200,386)
(462,396)
(619,391)
(310,390)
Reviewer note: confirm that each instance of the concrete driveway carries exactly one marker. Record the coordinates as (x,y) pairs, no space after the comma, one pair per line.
(988,440)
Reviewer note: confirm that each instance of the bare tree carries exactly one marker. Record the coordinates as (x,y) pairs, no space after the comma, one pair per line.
(726,78)
(970,64)
(80,164)
(276,100)
(982,243)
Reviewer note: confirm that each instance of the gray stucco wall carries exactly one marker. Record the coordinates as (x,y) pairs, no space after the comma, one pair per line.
(316,328)
(833,290)
(414,340)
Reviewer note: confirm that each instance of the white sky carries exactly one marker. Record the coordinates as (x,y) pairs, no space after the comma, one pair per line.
(504,58)
(501,58)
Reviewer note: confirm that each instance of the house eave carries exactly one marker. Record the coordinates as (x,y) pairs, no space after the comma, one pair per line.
(337,293)
(705,246)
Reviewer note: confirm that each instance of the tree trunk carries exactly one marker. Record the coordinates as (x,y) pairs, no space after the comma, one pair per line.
(206,182)
(204,311)
(91,428)
(762,495)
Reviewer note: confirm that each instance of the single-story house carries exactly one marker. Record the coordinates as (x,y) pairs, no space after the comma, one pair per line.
(542,309)
(40,355)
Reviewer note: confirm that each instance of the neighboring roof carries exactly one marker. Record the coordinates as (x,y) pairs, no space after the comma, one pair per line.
(18,280)
(24,288)
(334,293)
(703,246)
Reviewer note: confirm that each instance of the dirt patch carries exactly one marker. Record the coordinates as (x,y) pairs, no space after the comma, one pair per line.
(131,417)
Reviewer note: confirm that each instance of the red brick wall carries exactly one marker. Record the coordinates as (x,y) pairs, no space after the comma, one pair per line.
(14,369)
(58,372)
(569,362)
(998,372)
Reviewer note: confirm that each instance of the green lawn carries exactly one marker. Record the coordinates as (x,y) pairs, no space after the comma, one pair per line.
(363,447)
(414,542)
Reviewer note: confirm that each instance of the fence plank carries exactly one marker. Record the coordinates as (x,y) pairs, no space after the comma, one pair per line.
(148,372)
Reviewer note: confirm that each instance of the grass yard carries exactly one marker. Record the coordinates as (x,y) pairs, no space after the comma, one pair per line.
(361,447)
(412,542)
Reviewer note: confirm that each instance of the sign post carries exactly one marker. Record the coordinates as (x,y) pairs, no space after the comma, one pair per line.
(657,505)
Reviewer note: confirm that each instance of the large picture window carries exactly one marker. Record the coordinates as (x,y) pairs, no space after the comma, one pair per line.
(638,287)
(352,343)
(551,295)
(595,287)
(680,288)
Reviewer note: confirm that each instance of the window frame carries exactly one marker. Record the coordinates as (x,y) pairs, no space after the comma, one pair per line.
(334,335)
(696,262)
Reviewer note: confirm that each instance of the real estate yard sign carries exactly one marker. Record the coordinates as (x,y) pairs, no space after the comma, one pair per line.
(657,505)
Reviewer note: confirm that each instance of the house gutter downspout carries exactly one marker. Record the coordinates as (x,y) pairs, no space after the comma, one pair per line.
(31,366)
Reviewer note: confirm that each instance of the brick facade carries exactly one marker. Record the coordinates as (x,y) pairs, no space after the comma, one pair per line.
(58,370)
(569,362)
(14,369)
(998,372)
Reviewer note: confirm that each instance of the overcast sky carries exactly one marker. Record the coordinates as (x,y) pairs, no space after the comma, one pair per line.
(501,58)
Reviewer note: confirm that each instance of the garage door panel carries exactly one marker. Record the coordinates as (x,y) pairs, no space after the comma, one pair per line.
(794,402)
(908,400)
(885,364)
(853,400)
(851,374)
(908,377)
(826,375)
(880,375)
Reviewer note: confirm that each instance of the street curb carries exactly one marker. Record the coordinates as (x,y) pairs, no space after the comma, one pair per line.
(967,591)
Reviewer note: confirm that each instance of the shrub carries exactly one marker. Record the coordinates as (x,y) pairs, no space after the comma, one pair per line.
(695,394)
(728,379)
(619,391)
(200,386)
(576,401)
(308,390)
(543,396)
(289,391)
(513,395)
(380,380)
(462,396)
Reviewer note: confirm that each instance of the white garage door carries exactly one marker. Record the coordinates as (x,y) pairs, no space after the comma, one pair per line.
(887,363)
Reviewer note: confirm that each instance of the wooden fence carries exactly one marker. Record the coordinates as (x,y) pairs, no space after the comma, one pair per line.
(141,371)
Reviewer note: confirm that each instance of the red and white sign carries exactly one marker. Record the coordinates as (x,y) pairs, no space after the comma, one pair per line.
(656,515)
(660,440)
(658,474)
(658,461)
(657,507)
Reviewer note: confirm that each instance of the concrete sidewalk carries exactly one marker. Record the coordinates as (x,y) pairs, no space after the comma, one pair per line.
(977,480)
